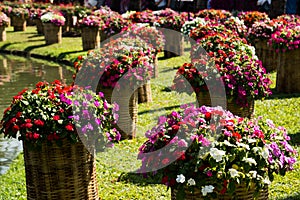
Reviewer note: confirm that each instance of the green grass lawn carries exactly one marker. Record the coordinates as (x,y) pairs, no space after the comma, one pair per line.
(112,166)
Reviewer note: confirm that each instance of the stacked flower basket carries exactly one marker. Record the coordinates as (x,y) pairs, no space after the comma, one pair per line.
(117,69)
(59,141)
(52,23)
(285,41)
(208,153)
(171,23)
(239,71)
(4,20)
(90,32)
(18,18)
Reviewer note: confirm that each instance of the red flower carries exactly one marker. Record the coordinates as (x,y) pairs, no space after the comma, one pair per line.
(39,122)
(28,125)
(237,136)
(40,84)
(165,180)
(36,136)
(223,191)
(172,182)
(70,127)
(165,161)
(207,116)
(6,110)
(15,128)
(18,115)
(56,117)
(79,57)
(175,128)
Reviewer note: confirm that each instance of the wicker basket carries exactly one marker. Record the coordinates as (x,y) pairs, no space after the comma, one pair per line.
(53,33)
(126,125)
(266,54)
(2,33)
(288,72)
(39,26)
(174,45)
(90,38)
(19,23)
(203,98)
(64,173)
(144,93)
(241,193)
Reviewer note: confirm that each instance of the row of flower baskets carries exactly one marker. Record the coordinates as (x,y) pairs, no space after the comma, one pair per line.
(201,152)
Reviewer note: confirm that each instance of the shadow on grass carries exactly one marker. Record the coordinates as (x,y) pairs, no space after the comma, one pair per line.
(35,35)
(140,179)
(278,95)
(37,40)
(3,47)
(160,109)
(63,55)
(295,140)
(30,48)
(295,197)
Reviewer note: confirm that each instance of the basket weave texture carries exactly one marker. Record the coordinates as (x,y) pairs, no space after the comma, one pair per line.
(53,33)
(203,98)
(241,193)
(174,44)
(90,38)
(288,72)
(39,26)
(19,23)
(144,93)
(266,54)
(128,110)
(64,173)
(2,33)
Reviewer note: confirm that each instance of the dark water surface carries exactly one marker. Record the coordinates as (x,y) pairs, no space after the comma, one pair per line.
(17,73)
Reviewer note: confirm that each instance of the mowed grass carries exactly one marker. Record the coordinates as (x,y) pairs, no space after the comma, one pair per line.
(115,167)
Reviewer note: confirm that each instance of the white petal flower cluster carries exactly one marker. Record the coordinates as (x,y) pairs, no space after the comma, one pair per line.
(217,154)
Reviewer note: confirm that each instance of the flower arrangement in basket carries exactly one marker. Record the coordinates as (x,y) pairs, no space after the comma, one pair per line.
(145,16)
(53,17)
(91,21)
(6,9)
(285,38)
(45,115)
(250,17)
(188,26)
(4,20)
(113,21)
(213,14)
(209,152)
(241,72)
(150,35)
(235,24)
(169,19)
(262,30)
(20,12)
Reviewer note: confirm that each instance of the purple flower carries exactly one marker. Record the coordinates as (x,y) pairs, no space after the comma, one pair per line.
(101,95)
(98,121)
(96,103)
(182,143)
(276,151)
(86,114)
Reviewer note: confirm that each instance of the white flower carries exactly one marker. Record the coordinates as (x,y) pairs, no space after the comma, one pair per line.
(251,140)
(207,189)
(180,178)
(228,143)
(246,146)
(254,173)
(217,154)
(233,172)
(250,161)
(265,153)
(267,181)
(191,182)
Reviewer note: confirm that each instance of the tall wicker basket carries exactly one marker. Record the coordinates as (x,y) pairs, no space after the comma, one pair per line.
(64,173)
(288,72)
(19,23)
(241,193)
(53,33)
(90,38)
(203,98)
(144,93)
(39,26)
(128,110)
(174,45)
(2,33)
(266,54)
